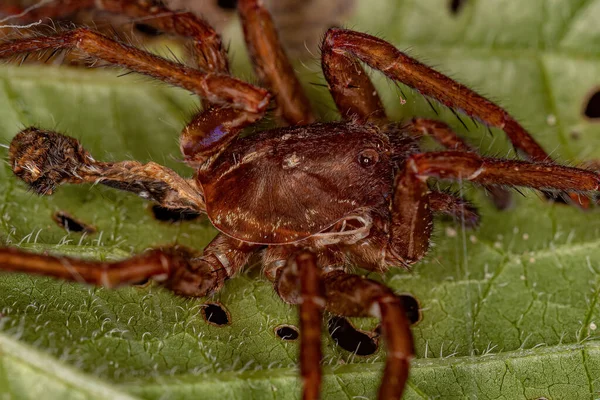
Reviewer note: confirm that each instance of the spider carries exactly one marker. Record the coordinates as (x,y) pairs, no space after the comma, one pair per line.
(310,198)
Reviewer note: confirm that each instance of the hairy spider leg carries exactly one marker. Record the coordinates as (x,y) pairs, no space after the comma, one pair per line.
(342,294)
(45,159)
(210,55)
(445,136)
(351,295)
(411,212)
(217,88)
(221,259)
(212,130)
(398,66)
(272,65)
(176,268)
(268,56)
(152,264)
(350,86)
(311,304)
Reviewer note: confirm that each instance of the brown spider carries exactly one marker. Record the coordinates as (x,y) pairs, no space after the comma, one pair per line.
(311,198)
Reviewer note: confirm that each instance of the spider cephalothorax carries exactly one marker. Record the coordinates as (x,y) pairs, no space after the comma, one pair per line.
(341,169)
(311,199)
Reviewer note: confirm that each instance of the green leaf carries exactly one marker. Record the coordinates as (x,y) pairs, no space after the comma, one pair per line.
(508,311)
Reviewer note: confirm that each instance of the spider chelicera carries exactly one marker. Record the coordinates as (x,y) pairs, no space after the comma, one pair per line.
(311,198)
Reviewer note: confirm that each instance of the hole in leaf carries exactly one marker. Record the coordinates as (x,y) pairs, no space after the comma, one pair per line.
(173,215)
(287,332)
(456,6)
(411,306)
(227,4)
(147,29)
(592,107)
(70,224)
(215,314)
(349,338)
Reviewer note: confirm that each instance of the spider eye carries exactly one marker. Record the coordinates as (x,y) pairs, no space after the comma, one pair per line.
(367,158)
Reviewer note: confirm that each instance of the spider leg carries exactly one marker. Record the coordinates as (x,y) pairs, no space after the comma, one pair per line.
(472,167)
(152,264)
(298,281)
(347,295)
(210,53)
(222,259)
(353,92)
(311,295)
(272,65)
(411,211)
(355,296)
(176,268)
(439,131)
(445,136)
(45,159)
(216,88)
(212,130)
(398,66)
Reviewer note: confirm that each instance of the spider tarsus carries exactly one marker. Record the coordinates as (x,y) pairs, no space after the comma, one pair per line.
(45,159)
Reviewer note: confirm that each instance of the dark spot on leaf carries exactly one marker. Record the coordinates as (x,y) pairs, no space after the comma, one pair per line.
(70,224)
(456,6)
(592,107)
(227,4)
(575,135)
(351,339)
(215,314)
(147,29)
(411,306)
(173,215)
(287,332)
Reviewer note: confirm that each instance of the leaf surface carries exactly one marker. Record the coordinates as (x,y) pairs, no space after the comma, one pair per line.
(509,310)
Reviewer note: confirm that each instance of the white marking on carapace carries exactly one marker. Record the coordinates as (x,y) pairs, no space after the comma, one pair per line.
(291,161)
